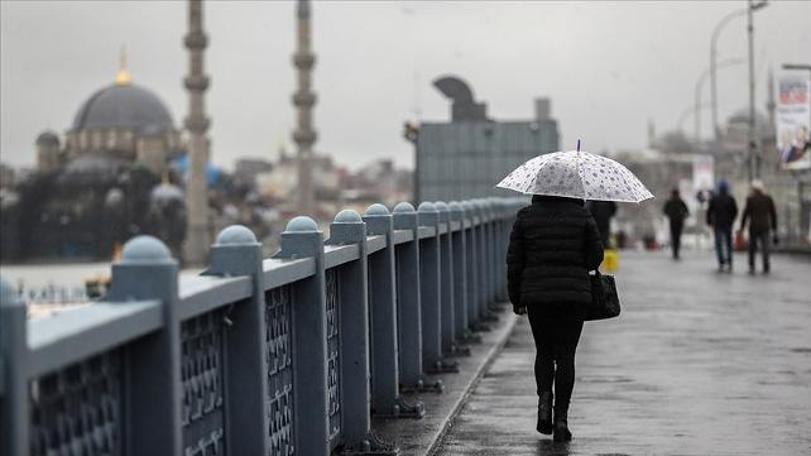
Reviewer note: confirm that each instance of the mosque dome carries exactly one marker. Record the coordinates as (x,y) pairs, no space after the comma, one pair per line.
(124,105)
(47,138)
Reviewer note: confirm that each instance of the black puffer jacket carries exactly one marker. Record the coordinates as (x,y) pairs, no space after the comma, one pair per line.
(553,245)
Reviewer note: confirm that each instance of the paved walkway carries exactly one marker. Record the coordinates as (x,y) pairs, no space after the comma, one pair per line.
(699,363)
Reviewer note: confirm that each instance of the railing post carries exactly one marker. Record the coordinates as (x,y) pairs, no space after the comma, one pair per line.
(15,419)
(302,239)
(448,300)
(431,293)
(409,314)
(460,266)
(148,271)
(236,252)
(357,438)
(485,263)
(386,399)
(471,269)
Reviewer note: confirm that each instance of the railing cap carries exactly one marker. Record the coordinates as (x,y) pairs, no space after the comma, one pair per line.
(347,216)
(455,206)
(441,206)
(426,206)
(145,249)
(377,209)
(404,207)
(302,223)
(236,235)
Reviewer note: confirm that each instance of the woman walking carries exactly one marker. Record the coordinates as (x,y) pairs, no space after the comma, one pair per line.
(553,245)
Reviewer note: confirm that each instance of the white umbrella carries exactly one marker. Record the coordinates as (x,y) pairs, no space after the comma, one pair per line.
(576,174)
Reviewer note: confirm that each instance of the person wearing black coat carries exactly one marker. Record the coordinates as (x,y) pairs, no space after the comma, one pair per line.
(553,245)
(603,211)
(721,214)
(761,214)
(676,210)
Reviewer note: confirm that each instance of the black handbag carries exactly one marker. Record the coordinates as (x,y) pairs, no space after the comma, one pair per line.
(605,303)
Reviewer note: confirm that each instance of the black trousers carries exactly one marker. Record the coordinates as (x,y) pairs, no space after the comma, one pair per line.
(764,239)
(555,343)
(675,237)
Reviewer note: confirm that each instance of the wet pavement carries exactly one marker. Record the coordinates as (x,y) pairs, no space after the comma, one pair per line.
(699,363)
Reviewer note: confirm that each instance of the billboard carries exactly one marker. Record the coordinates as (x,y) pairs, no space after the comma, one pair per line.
(793,118)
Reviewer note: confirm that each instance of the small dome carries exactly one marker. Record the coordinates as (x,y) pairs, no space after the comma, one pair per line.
(166,192)
(124,106)
(48,138)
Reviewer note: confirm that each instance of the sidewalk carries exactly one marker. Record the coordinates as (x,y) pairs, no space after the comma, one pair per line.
(699,363)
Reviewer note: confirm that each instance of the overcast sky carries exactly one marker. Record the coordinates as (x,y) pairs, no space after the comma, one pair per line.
(608,66)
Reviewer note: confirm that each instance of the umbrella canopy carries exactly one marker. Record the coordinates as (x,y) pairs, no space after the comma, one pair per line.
(576,174)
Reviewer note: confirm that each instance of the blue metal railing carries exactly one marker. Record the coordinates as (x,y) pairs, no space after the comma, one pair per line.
(274,356)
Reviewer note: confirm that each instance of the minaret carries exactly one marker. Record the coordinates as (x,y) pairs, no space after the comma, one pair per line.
(304,100)
(197,231)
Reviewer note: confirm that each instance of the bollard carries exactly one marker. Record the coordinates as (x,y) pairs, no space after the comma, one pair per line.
(148,271)
(14,407)
(386,399)
(236,252)
(302,239)
(357,437)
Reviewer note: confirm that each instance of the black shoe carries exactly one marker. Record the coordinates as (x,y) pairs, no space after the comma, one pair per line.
(545,413)
(562,433)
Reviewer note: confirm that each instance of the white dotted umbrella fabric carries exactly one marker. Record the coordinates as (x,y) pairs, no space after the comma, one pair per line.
(576,174)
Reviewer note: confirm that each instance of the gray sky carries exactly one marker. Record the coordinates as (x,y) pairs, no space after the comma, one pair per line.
(608,66)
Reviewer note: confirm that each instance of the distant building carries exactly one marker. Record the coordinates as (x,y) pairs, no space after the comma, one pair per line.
(469,155)
(93,188)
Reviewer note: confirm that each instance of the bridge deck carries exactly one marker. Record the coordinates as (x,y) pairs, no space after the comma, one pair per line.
(699,363)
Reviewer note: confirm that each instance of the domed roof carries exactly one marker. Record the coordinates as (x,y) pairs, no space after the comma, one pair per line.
(48,138)
(124,105)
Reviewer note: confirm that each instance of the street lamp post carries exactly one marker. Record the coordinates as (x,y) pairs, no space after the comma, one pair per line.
(754,156)
(713,56)
(700,85)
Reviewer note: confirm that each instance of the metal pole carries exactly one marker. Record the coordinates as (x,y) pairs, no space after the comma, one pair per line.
(750,29)
(700,85)
(713,55)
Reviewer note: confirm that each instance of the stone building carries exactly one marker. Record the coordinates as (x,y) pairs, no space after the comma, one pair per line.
(469,155)
(92,188)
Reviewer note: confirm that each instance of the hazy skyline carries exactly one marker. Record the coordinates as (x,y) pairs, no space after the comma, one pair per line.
(608,67)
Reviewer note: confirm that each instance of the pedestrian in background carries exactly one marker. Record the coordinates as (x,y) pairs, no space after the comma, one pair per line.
(677,212)
(553,245)
(721,214)
(603,211)
(762,217)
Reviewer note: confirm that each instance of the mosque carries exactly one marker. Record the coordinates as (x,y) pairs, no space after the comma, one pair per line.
(119,124)
(110,177)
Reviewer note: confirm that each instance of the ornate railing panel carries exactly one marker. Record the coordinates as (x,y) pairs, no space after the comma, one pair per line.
(202,370)
(279,343)
(77,411)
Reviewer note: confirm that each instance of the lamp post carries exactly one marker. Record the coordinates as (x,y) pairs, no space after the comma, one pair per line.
(713,56)
(700,85)
(754,156)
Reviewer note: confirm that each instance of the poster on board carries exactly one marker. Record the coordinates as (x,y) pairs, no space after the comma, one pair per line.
(793,118)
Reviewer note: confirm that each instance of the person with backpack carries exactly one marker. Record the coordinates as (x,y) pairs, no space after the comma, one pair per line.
(721,215)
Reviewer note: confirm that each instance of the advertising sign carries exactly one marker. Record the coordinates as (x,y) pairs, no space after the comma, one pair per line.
(793,118)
